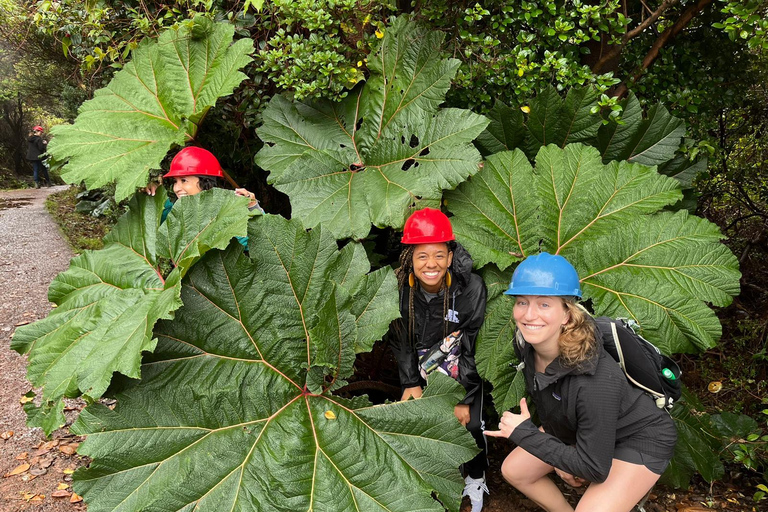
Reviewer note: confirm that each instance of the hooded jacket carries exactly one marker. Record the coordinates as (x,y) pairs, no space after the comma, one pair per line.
(36,146)
(586,412)
(466,311)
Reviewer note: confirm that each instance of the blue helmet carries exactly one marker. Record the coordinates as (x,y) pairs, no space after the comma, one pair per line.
(545,274)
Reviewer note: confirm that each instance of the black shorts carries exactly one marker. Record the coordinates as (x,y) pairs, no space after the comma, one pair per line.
(633,456)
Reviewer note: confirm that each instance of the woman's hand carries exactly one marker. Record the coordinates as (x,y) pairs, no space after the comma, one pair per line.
(151,188)
(243,192)
(461,412)
(573,481)
(510,421)
(414,392)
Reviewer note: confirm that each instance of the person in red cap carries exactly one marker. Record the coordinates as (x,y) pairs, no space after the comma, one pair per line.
(36,146)
(442,304)
(192,171)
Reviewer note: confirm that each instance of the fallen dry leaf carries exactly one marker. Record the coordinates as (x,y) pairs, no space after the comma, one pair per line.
(68,471)
(26,495)
(46,462)
(69,449)
(37,498)
(25,322)
(25,399)
(715,386)
(18,470)
(22,456)
(38,471)
(62,486)
(61,494)
(26,477)
(6,435)
(75,498)
(53,443)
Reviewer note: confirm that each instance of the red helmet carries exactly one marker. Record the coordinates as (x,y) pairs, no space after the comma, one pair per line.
(427,226)
(193,161)
(38,128)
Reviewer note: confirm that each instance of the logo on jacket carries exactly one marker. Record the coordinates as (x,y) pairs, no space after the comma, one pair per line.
(452,316)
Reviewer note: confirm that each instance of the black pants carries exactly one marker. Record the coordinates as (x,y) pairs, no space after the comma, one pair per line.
(476,426)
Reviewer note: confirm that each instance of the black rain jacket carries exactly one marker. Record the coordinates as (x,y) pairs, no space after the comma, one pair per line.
(588,411)
(467,297)
(36,146)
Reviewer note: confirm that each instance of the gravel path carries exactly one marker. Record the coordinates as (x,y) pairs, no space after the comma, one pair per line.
(32,253)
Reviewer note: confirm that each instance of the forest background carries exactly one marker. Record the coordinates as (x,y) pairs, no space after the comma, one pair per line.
(705,61)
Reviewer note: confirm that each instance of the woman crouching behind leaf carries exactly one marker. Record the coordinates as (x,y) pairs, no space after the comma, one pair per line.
(442,304)
(192,171)
(596,428)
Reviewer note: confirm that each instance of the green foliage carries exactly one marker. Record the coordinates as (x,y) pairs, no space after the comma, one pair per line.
(659,268)
(234,409)
(512,50)
(652,138)
(109,300)
(155,102)
(697,447)
(384,150)
(318,48)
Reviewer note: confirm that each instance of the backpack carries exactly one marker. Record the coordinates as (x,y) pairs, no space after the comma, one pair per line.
(643,364)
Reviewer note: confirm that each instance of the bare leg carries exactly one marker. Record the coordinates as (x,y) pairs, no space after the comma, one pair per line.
(625,486)
(528,474)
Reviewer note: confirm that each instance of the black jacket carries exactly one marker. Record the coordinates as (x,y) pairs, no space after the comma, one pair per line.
(36,146)
(467,296)
(586,413)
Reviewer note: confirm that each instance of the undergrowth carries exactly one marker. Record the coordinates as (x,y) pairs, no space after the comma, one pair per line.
(81,231)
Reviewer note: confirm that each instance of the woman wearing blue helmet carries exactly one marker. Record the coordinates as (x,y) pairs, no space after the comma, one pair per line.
(596,428)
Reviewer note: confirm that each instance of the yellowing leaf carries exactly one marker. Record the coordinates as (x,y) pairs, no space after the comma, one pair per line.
(526,109)
(62,486)
(24,399)
(715,386)
(330,415)
(68,471)
(18,470)
(379,33)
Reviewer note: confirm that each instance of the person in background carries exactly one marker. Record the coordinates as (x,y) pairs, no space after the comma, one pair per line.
(36,146)
(442,304)
(596,428)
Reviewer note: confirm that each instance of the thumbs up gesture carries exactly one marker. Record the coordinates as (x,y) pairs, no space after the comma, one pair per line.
(509,421)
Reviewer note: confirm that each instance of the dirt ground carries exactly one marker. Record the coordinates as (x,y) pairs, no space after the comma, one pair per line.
(36,472)
(32,252)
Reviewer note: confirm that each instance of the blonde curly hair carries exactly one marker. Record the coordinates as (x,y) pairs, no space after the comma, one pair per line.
(577,341)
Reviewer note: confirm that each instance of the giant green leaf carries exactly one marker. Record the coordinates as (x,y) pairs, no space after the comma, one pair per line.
(235,411)
(156,101)
(109,300)
(384,150)
(651,138)
(634,260)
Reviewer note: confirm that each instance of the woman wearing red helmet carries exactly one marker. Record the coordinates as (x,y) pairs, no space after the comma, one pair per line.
(442,304)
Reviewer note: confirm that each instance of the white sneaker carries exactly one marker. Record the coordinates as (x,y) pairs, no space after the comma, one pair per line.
(474,488)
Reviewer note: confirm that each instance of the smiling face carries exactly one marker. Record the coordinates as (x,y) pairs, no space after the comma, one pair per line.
(186,186)
(540,318)
(430,263)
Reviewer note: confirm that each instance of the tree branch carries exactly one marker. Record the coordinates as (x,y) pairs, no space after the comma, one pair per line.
(616,49)
(670,33)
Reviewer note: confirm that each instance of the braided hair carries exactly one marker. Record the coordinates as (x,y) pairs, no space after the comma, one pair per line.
(403,273)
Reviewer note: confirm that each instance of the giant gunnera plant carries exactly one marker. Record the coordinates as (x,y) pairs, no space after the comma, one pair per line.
(227,364)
